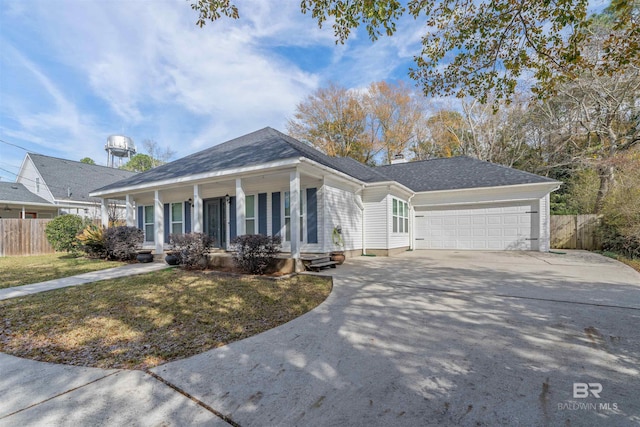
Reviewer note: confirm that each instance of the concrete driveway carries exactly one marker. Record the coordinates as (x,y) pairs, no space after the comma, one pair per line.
(426,338)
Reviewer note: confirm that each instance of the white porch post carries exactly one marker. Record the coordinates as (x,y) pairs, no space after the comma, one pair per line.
(197,209)
(294,200)
(227,223)
(240,211)
(158,213)
(104,213)
(129,212)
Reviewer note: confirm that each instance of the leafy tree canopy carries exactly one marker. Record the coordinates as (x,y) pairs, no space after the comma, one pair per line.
(480,48)
(139,163)
(88,160)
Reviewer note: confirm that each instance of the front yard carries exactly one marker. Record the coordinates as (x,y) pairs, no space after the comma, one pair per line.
(143,321)
(24,270)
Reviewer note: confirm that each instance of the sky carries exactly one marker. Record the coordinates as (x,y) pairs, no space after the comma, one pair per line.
(73,72)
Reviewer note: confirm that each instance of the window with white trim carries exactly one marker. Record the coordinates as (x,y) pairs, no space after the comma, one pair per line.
(177,218)
(400,216)
(250,214)
(148,224)
(287,215)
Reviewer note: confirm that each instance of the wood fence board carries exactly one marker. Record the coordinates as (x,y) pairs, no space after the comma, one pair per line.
(24,237)
(575,232)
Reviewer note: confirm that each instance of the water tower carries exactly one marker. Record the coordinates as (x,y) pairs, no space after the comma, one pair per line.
(119,146)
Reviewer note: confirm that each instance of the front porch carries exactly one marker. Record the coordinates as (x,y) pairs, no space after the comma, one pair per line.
(288,202)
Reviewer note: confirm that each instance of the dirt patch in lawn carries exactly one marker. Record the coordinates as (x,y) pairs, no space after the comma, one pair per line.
(143,321)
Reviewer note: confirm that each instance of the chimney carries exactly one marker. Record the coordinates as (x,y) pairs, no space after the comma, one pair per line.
(398,158)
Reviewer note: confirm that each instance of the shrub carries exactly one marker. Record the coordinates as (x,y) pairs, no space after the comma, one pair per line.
(627,245)
(61,232)
(92,241)
(191,248)
(122,243)
(255,252)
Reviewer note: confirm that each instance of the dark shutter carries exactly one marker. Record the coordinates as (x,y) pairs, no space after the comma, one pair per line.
(167,222)
(275,214)
(187,217)
(233,232)
(312,215)
(262,213)
(141,218)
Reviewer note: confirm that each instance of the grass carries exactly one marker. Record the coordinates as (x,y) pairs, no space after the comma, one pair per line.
(24,270)
(633,263)
(143,321)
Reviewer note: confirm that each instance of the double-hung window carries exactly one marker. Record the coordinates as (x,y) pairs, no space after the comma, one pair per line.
(148,224)
(177,218)
(250,214)
(287,215)
(400,216)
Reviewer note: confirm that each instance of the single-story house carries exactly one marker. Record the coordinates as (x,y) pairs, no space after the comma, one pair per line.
(16,201)
(267,182)
(62,186)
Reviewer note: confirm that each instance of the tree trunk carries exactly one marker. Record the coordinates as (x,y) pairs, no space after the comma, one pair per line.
(606,173)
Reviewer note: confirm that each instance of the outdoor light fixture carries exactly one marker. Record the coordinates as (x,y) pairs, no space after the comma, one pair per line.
(190,201)
(226,198)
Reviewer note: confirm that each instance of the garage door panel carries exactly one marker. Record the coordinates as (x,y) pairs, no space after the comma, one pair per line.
(481,227)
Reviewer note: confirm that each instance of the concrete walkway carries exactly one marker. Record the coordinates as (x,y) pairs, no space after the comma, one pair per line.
(81,279)
(430,338)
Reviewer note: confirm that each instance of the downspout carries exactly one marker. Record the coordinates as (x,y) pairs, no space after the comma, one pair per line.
(358,200)
(412,216)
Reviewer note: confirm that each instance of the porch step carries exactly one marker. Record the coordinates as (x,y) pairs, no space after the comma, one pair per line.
(318,262)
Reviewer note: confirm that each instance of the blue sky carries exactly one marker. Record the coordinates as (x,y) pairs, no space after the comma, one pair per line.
(73,72)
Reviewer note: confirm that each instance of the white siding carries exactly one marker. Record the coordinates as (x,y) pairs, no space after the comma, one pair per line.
(544,241)
(376,217)
(341,209)
(27,176)
(480,195)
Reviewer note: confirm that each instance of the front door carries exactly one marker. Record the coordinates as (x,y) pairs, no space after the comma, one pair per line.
(215,220)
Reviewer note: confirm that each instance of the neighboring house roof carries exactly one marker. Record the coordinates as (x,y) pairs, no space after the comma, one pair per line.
(455,173)
(18,193)
(262,146)
(63,176)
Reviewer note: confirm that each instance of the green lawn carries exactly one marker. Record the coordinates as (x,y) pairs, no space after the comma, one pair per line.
(24,270)
(142,321)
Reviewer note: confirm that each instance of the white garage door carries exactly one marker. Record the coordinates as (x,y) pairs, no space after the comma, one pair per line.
(487,226)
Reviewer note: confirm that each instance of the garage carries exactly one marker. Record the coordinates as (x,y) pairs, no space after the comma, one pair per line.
(490,226)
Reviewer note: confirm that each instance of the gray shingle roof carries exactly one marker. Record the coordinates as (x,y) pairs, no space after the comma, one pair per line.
(79,178)
(267,145)
(262,146)
(456,173)
(14,192)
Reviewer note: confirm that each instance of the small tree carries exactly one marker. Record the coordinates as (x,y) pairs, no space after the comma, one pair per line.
(92,241)
(255,252)
(191,248)
(61,232)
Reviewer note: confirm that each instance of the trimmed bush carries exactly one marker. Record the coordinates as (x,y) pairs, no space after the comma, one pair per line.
(61,232)
(122,243)
(92,241)
(191,249)
(255,252)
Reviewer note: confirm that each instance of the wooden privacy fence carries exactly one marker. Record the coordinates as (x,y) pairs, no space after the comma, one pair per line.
(575,232)
(23,237)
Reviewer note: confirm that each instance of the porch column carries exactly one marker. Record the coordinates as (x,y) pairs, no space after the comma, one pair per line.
(158,213)
(104,213)
(294,200)
(240,211)
(197,209)
(129,209)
